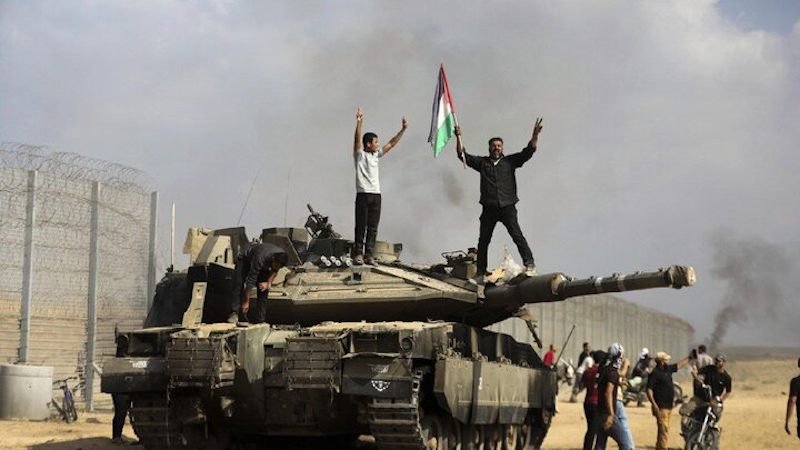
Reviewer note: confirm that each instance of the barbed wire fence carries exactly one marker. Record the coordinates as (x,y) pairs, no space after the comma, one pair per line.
(77,237)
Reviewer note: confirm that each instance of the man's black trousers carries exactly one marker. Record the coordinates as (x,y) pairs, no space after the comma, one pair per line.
(508,216)
(121,404)
(590,410)
(368,215)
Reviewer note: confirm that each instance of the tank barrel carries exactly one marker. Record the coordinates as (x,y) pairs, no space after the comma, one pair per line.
(555,287)
(675,277)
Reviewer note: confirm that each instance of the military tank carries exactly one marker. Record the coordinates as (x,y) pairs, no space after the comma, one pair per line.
(393,350)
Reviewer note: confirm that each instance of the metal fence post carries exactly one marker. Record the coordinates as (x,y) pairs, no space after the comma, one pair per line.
(151,266)
(91,314)
(27,269)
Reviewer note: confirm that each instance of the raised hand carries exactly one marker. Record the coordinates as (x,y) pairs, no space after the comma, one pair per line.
(405,124)
(537,128)
(359,114)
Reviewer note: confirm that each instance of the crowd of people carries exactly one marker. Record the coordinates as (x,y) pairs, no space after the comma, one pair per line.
(602,374)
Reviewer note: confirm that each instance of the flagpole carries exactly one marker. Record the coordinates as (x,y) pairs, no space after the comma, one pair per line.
(463,158)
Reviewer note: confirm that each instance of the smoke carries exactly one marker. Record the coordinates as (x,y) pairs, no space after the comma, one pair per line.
(754,272)
(453,190)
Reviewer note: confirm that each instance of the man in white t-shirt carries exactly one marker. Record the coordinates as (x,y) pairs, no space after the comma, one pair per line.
(368,188)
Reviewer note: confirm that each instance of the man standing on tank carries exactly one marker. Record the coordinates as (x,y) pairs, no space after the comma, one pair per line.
(499,194)
(368,188)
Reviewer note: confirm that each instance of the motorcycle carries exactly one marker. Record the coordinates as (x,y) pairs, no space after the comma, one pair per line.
(699,425)
(636,390)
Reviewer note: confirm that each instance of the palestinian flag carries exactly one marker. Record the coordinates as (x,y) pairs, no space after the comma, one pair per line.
(443,119)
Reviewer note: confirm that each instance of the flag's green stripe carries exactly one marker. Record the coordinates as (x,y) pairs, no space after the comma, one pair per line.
(444,134)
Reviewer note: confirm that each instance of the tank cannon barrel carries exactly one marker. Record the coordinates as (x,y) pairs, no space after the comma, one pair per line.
(556,287)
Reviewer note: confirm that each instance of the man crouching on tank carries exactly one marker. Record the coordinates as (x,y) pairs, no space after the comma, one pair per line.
(256,269)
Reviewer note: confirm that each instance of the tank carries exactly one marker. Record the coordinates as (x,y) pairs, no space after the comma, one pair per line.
(394,350)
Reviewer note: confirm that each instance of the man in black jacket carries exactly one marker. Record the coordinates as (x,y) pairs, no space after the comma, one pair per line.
(256,269)
(661,393)
(499,194)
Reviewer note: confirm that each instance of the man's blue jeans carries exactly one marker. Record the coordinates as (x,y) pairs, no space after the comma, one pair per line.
(623,419)
(619,431)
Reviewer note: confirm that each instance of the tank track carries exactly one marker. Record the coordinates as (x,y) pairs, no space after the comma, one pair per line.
(154,423)
(395,422)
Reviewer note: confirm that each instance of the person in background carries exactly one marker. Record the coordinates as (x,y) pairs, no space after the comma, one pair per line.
(588,381)
(715,376)
(620,412)
(584,363)
(641,370)
(661,393)
(550,356)
(791,404)
(703,359)
(607,423)
(122,402)
(587,351)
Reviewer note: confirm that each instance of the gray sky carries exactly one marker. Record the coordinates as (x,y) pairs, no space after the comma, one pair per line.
(666,123)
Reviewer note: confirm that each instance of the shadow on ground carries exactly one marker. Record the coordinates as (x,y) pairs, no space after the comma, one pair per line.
(97,443)
(94,443)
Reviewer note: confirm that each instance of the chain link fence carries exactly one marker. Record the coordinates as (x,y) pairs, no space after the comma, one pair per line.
(77,240)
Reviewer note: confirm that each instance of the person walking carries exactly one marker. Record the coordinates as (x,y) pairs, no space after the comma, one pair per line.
(499,195)
(792,404)
(588,381)
(607,423)
(662,395)
(368,188)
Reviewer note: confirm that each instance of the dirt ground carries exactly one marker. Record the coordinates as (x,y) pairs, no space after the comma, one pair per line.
(753,418)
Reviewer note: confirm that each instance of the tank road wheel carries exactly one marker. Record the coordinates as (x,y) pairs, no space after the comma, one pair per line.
(473,437)
(540,424)
(524,436)
(511,437)
(434,434)
(454,435)
(493,439)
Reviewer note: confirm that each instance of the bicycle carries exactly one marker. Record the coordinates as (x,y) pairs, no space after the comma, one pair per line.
(67,408)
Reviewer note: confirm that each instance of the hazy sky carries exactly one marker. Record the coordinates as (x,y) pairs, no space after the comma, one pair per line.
(667,124)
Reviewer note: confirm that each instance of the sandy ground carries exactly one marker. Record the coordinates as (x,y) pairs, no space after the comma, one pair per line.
(753,418)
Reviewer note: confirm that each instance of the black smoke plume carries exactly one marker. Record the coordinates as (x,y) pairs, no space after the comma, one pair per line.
(754,271)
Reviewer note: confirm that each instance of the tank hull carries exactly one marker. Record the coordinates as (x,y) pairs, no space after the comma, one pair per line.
(403,382)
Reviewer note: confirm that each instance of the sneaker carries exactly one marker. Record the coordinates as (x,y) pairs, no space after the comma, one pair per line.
(530,270)
(358,260)
(233,318)
(369,260)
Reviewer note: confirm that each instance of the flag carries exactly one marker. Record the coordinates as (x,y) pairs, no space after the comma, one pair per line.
(443,119)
